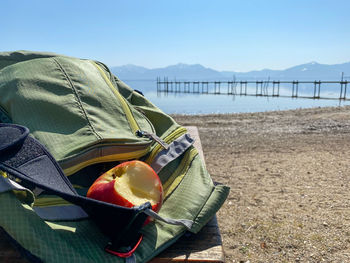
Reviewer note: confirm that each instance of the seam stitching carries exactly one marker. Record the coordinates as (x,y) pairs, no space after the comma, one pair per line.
(77,98)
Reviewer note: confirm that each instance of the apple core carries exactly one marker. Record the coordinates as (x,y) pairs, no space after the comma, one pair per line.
(138,185)
(129,184)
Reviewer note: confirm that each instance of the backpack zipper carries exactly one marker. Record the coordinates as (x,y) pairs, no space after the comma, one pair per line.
(135,154)
(153,137)
(168,139)
(131,120)
(133,124)
(70,168)
(135,129)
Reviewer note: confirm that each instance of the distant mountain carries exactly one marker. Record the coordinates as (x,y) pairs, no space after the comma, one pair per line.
(179,71)
(316,71)
(309,71)
(131,70)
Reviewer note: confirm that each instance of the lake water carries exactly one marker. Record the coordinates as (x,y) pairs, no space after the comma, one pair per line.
(180,103)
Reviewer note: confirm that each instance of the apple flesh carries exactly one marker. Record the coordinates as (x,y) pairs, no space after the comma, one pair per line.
(129,184)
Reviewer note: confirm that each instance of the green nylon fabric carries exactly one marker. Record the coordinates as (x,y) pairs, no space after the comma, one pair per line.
(195,197)
(66,104)
(81,241)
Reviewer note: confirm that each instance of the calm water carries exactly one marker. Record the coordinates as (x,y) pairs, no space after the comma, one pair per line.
(205,104)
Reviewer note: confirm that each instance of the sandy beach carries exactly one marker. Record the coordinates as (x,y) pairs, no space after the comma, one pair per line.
(289,173)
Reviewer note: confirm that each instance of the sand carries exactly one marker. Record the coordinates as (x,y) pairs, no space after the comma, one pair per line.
(289,173)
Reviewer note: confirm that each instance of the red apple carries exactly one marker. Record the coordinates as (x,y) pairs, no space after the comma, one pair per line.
(129,184)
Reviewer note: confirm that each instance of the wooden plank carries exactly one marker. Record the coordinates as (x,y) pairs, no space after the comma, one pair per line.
(193,131)
(206,246)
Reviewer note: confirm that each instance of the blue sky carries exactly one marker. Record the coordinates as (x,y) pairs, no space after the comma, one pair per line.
(224,35)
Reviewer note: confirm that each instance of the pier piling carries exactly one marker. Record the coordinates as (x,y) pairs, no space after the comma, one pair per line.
(262,88)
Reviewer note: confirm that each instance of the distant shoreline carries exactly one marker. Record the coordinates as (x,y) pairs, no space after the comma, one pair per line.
(242,114)
(212,104)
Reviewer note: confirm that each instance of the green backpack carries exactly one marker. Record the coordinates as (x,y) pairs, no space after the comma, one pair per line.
(89,121)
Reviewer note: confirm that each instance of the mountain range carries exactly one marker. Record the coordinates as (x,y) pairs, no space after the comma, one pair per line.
(308,71)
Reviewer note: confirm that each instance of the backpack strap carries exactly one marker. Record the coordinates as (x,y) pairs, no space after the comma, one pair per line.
(178,222)
(173,151)
(28,162)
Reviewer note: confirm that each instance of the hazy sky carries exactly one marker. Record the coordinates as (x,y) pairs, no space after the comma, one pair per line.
(224,35)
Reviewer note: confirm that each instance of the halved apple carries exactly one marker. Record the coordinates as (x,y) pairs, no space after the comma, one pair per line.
(129,184)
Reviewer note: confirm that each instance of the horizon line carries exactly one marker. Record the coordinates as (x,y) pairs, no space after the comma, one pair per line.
(180,63)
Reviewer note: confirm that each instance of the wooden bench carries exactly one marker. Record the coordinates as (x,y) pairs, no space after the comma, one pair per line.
(206,246)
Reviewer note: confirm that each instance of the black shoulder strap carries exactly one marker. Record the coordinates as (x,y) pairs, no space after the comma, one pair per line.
(27,161)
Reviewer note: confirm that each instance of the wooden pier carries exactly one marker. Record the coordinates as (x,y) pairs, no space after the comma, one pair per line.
(269,88)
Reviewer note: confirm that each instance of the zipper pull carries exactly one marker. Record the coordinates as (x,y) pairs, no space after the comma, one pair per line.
(153,137)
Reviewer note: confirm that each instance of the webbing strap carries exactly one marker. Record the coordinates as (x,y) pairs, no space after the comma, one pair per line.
(64,212)
(7,184)
(175,149)
(180,222)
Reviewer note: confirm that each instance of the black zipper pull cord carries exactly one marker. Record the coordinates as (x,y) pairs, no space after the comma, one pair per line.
(153,137)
